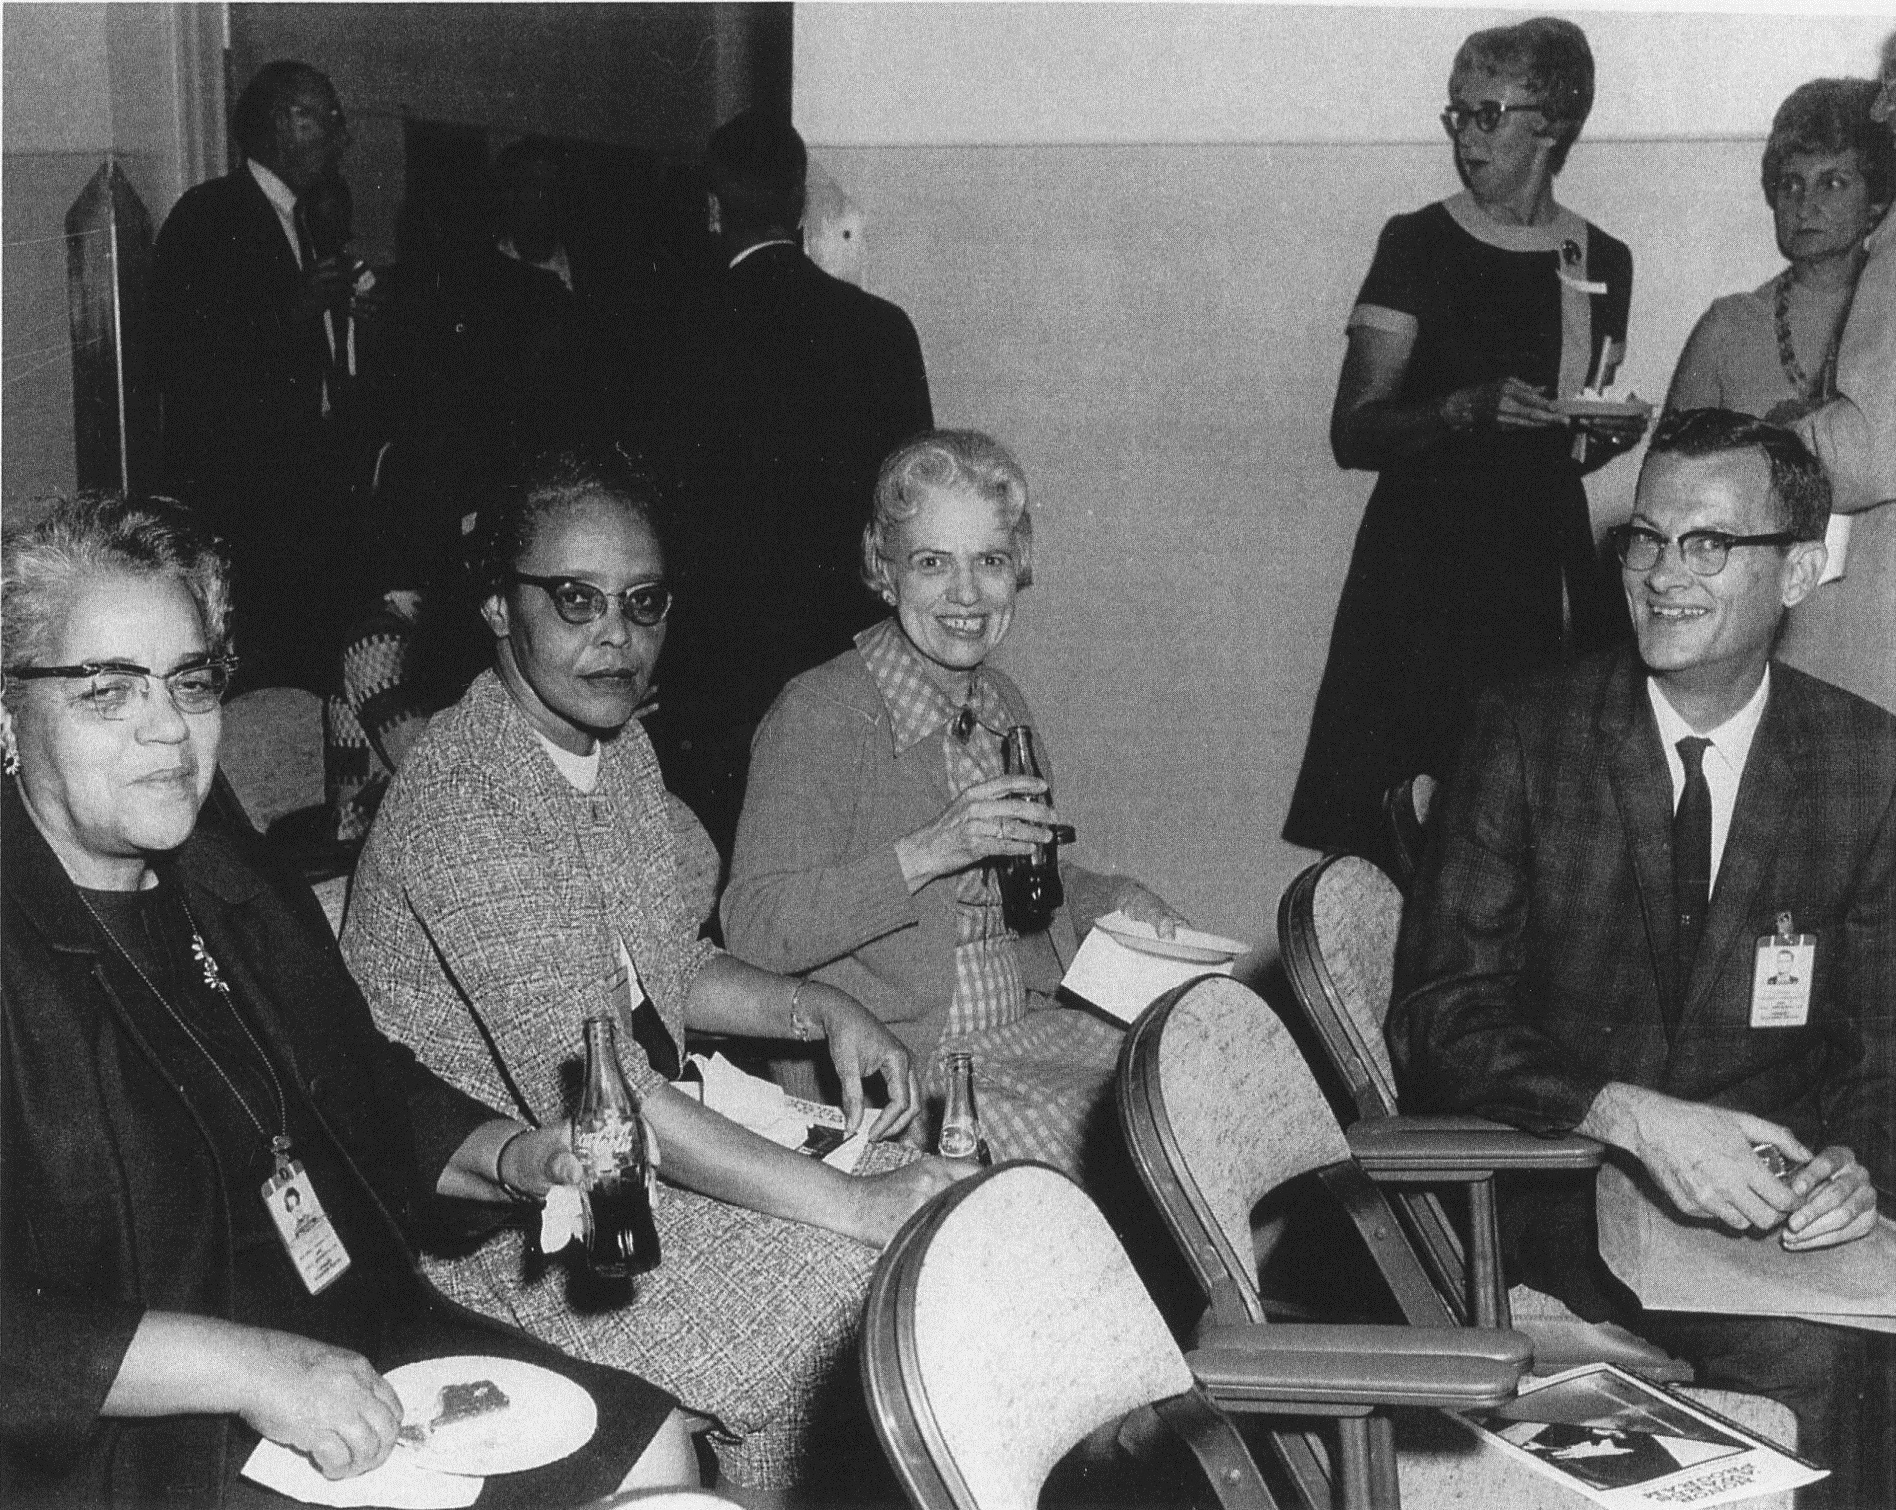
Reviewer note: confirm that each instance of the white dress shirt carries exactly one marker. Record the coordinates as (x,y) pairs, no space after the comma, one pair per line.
(283,200)
(1724,762)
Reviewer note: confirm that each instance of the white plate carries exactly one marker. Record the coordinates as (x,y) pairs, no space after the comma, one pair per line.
(1190,946)
(546,1415)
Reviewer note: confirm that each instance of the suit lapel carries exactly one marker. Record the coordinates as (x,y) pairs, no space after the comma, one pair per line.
(1642,790)
(1768,796)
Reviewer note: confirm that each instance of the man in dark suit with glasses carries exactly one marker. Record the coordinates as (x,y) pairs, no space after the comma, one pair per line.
(1581,948)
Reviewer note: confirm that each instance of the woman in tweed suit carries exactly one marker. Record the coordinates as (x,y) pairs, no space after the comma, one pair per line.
(877,798)
(519,878)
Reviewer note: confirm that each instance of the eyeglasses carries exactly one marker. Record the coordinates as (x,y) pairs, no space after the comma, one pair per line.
(1487,115)
(577,602)
(1703,551)
(115,688)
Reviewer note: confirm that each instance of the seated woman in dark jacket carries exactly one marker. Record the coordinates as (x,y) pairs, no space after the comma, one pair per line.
(188,1068)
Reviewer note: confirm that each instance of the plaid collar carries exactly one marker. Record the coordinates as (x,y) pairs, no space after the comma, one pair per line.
(918,707)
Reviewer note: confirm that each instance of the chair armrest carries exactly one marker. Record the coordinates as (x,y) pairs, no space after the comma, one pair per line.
(1496,1344)
(1392,1147)
(1324,1380)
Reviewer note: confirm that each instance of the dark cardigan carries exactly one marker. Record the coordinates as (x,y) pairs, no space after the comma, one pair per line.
(107,1211)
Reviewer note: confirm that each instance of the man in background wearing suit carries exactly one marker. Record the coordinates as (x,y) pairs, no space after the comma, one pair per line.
(1621,839)
(795,386)
(253,329)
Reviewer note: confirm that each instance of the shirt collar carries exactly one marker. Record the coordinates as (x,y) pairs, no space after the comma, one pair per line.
(917,705)
(758,247)
(1731,740)
(281,196)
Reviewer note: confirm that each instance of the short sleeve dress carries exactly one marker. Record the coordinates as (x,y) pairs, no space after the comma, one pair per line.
(1475,560)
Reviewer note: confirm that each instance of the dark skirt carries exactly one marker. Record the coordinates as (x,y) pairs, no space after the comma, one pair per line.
(1462,576)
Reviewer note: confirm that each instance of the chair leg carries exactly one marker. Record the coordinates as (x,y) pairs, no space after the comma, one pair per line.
(1299,1452)
(1385,1489)
(1484,1257)
(1353,1464)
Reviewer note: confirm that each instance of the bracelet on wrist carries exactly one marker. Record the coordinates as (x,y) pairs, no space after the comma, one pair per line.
(514,1193)
(799,1024)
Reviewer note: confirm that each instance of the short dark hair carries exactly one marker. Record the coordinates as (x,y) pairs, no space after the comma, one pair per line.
(252,119)
(1553,58)
(103,535)
(756,166)
(1799,486)
(542,486)
(1826,116)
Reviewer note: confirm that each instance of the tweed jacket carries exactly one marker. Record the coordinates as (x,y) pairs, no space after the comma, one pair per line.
(815,886)
(491,897)
(1534,963)
(114,1200)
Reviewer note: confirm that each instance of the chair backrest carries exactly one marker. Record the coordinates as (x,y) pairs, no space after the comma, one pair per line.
(1219,1109)
(1336,933)
(1004,1324)
(272,751)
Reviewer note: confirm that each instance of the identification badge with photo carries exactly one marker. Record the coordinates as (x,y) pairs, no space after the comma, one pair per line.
(303,1225)
(1780,980)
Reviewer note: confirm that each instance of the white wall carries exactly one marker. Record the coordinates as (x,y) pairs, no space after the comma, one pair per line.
(138,81)
(1129,237)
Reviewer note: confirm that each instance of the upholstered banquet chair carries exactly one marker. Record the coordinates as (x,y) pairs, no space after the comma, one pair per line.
(1219,1112)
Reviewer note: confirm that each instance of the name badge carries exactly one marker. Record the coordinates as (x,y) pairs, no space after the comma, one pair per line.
(1780,977)
(303,1225)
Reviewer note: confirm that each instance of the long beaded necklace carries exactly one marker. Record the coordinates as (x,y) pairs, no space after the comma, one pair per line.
(1794,373)
(214,978)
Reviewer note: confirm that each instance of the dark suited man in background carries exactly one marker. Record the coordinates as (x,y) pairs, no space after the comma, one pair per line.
(1580,948)
(253,323)
(795,386)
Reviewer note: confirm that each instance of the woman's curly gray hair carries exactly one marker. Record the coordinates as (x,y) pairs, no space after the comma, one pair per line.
(1832,116)
(1553,59)
(946,461)
(102,535)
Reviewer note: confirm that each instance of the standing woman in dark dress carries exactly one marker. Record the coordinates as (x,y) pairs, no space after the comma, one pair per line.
(1475,559)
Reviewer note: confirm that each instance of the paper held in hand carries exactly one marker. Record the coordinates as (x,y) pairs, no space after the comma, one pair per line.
(1676,1265)
(768,1110)
(1123,965)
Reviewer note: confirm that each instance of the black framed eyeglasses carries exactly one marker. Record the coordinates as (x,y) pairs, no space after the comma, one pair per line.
(115,689)
(1704,552)
(1487,115)
(645,603)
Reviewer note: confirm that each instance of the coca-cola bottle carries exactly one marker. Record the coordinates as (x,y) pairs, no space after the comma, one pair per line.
(1030,884)
(960,1124)
(609,1137)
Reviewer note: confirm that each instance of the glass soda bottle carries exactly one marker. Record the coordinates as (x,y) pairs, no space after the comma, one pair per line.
(1030,884)
(960,1124)
(609,1138)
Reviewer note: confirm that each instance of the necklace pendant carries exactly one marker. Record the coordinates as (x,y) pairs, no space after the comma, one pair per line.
(964,722)
(212,976)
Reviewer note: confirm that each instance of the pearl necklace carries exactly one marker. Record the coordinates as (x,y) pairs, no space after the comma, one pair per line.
(1801,385)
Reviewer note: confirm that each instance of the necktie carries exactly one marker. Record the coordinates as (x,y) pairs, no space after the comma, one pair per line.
(1691,855)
